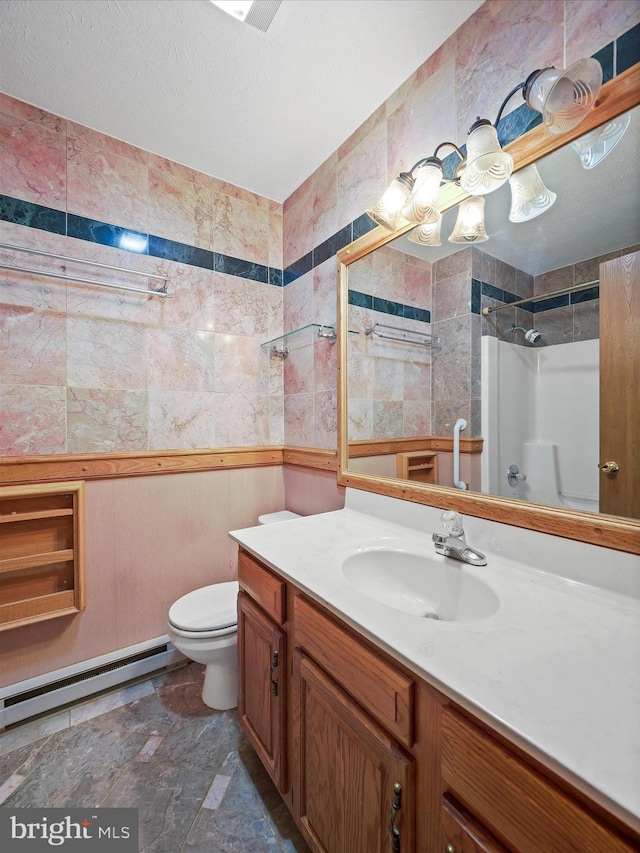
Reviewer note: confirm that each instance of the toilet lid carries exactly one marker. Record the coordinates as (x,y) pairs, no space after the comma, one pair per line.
(206,609)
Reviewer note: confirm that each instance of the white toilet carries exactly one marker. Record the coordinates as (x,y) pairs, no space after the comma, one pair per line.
(203,625)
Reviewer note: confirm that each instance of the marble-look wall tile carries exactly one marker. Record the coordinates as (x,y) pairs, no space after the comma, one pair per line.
(180,210)
(275,239)
(416,418)
(242,306)
(298,419)
(241,420)
(388,379)
(44,294)
(554,280)
(452,297)
(276,419)
(451,371)
(181,359)
(241,229)
(360,417)
(362,176)
(387,419)
(586,321)
(455,264)
(179,419)
(192,304)
(298,366)
(32,347)
(179,171)
(498,47)
(325,365)
(239,366)
(423,120)
(325,292)
(28,112)
(87,137)
(556,327)
(101,421)
(446,412)
(325,206)
(106,354)
(297,303)
(32,420)
(298,224)
(105,185)
(325,409)
(32,162)
(417,382)
(591,24)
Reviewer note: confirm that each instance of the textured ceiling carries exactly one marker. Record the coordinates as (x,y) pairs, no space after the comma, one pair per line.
(186,81)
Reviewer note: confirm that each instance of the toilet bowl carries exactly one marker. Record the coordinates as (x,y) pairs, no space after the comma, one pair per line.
(203,625)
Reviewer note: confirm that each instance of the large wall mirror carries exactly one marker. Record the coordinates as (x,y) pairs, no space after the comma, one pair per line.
(498,378)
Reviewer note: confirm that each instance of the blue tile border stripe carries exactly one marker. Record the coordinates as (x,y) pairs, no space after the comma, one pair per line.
(387,306)
(482,288)
(93,231)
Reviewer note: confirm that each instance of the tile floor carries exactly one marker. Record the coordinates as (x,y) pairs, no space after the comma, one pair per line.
(190,771)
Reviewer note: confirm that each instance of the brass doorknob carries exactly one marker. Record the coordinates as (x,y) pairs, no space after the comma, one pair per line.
(610,467)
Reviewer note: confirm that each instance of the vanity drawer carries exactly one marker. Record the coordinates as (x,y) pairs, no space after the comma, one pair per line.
(383,691)
(265,588)
(518,805)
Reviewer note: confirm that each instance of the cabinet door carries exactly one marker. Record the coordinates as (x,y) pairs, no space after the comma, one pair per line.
(462,834)
(353,784)
(262,686)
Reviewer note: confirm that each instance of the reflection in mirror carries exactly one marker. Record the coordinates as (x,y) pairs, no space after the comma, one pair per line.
(527,376)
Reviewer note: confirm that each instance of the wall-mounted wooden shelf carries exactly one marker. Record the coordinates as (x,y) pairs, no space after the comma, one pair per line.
(418,465)
(41,552)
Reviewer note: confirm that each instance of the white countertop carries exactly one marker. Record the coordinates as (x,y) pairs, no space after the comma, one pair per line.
(557,667)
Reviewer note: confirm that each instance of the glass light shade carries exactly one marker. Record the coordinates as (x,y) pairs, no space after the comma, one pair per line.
(529,196)
(564,97)
(488,166)
(427,235)
(469,226)
(387,212)
(594,146)
(422,207)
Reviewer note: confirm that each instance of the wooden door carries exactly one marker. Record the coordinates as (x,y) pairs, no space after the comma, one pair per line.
(348,770)
(620,385)
(262,686)
(462,834)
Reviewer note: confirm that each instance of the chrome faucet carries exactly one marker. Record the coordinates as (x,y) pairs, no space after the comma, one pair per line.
(453,543)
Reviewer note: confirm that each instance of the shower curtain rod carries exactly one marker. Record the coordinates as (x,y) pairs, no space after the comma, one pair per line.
(565,290)
(65,276)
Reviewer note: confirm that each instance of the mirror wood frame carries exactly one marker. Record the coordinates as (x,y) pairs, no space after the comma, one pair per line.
(617,96)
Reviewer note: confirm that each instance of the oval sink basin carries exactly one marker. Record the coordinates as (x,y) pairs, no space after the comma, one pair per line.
(415,584)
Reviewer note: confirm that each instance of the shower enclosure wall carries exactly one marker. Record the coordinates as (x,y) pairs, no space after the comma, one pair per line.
(540,411)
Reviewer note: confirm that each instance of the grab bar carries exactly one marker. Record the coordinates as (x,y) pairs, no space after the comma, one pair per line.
(459,425)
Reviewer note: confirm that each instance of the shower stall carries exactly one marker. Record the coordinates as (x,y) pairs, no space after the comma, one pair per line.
(540,412)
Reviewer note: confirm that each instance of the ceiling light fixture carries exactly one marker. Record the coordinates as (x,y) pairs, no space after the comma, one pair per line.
(562,97)
(237,8)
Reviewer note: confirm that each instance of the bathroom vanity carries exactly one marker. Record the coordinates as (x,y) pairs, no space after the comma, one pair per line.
(387,731)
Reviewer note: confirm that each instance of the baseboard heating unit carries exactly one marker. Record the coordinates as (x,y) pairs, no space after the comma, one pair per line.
(52,690)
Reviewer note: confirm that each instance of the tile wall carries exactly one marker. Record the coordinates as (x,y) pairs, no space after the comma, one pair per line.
(189,371)
(88,370)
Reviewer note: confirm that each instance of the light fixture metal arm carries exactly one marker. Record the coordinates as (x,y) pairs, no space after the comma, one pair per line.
(506,101)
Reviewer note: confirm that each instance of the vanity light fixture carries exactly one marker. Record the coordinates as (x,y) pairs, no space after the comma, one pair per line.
(594,146)
(488,167)
(563,97)
(237,8)
(529,196)
(469,226)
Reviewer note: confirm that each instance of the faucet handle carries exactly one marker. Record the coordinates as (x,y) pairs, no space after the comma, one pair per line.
(452,523)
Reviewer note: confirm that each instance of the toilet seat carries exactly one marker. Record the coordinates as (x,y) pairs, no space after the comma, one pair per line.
(207,612)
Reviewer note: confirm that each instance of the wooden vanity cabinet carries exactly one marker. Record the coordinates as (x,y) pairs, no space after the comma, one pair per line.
(349,724)
(262,666)
(353,785)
